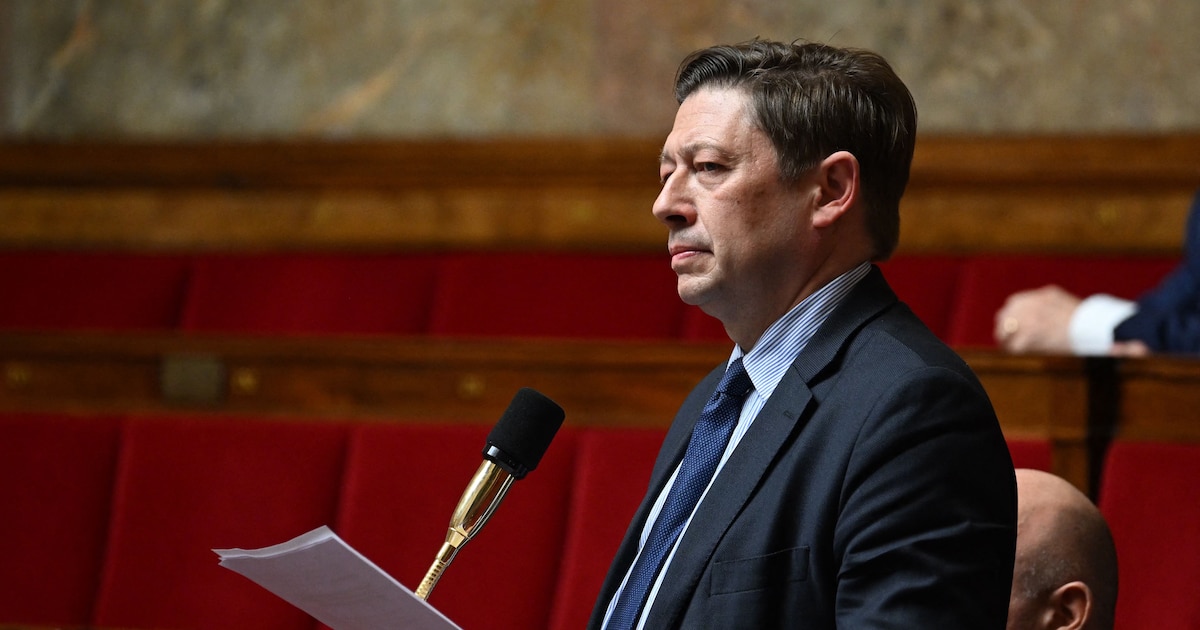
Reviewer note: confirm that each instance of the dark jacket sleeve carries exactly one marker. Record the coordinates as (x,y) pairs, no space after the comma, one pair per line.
(926,534)
(1168,316)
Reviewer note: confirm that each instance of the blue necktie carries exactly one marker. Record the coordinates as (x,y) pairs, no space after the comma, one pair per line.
(708,442)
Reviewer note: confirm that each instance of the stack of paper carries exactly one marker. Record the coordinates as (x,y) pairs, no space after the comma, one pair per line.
(320,574)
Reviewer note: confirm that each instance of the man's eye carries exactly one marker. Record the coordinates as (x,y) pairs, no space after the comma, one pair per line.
(707,167)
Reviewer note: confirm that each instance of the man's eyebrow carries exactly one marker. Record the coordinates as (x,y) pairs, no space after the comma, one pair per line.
(693,149)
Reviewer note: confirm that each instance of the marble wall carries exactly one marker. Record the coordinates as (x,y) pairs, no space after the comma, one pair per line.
(225,69)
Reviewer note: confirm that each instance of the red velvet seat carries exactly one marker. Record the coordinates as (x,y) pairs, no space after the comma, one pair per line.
(700,326)
(311,294)
(56,477)
(90,291)
(928,285)
(1030,453)
(402,484)
(612,468)
(557,295)
(1147,494)
(188,485)
(987,281)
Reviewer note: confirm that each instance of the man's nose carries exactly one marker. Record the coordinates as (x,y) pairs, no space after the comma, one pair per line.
(673,207)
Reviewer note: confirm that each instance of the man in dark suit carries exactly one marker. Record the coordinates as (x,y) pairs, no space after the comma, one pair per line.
(1165,320)
(864,482)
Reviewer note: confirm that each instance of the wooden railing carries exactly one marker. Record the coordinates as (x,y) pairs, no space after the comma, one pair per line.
(599,383)
(1046,194)
(447,380)
(1159,399)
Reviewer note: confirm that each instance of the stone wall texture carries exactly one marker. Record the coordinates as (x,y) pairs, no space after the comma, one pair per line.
(229,69)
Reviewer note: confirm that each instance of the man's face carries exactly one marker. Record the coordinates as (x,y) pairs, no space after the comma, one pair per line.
(738,232)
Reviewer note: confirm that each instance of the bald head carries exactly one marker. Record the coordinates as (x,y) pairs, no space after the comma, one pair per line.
(1066,565)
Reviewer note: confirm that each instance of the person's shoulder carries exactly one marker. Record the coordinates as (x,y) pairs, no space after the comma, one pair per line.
(899,343)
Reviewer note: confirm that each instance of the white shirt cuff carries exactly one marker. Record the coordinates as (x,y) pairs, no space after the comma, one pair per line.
(1093,322)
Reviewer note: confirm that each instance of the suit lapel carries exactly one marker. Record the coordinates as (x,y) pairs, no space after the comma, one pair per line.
(869,299)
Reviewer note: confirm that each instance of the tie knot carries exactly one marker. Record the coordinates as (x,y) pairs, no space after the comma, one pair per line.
(736,381)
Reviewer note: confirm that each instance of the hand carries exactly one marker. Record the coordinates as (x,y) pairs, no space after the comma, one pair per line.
(1037,320)
(1132,348)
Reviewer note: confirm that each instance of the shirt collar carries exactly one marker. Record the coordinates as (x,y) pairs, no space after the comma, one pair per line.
(783,340)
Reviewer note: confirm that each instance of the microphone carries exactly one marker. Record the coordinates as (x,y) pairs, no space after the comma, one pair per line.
(513,449)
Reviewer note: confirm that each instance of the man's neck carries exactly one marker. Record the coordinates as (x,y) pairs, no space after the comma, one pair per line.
(747,331)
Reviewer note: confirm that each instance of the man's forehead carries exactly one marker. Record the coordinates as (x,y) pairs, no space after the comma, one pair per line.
(712,119)
(711,106)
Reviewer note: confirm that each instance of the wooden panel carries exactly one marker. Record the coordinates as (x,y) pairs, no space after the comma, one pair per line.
(1050,194)
(1109,161)
(1110,194)
(1042,397)
(1159,400)
(599,383)
(544,218)
(1037,219)
(318,165)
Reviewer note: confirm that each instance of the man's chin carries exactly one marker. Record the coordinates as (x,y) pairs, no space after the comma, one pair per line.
(693,292)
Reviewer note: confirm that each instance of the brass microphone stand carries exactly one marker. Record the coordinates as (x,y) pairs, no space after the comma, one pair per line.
(480,499)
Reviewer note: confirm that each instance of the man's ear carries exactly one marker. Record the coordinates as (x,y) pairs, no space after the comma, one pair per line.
(839,186)
(1070,606)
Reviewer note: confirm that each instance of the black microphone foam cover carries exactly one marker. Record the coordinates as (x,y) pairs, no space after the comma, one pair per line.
(524,432)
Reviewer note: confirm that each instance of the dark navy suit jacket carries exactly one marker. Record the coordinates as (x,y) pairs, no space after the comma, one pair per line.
(1168,317)
(874,490)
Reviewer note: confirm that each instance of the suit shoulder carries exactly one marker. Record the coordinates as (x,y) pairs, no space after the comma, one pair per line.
(898,338)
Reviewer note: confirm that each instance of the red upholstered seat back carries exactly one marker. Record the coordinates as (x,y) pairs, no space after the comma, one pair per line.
(56,476)
(700,326)
(612,469)
(1148,496)
(186,486)
(73,290)
(402,484)
(557,295)
(1031,453)
(311,293)
(988,280)
(928,285)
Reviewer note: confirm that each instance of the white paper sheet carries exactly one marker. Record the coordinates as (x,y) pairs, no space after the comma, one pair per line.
(320,574)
